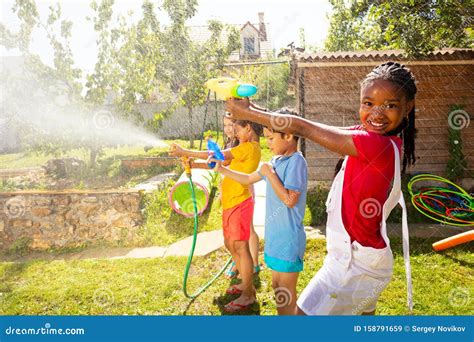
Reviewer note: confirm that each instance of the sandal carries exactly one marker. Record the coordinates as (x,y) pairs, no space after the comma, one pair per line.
(256,269)
(230,273)
(235,307)
(233,290)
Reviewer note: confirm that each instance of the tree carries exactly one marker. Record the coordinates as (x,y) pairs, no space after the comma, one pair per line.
(271,81)
(126,64)
(38,94)
(187,65)
(136,60)
(418,27)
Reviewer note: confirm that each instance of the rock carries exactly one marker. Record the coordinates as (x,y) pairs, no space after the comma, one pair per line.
(61,210)
(47,226)
(59,220)
(88,209)
(40,244)
(41,201)
(71,229)
(61,201)
(40,211)
(2,226)
(64,168)
(118,205)
(90,199)
(21,223)
(123,222)
(131,201)
(68,216)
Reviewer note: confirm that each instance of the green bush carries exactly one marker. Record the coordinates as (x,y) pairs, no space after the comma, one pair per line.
(316,205)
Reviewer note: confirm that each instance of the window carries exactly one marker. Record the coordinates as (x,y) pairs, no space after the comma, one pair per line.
(249,46)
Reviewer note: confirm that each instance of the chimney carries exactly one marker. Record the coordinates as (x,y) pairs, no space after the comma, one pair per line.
(261,27)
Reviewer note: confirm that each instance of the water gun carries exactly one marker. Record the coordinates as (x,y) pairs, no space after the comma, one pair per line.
(226,88)
(217,154)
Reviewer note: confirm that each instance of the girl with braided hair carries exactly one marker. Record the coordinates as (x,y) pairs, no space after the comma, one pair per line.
(359,261)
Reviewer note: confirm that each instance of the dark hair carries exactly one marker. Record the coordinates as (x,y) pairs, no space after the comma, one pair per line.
(287,111)
(404,78)
(257,128)
(229,143)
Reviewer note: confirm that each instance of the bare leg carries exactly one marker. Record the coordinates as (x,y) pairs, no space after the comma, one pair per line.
(299,312)
(245,265)
(229,244)
(253,244)
(371,313)
(284,285)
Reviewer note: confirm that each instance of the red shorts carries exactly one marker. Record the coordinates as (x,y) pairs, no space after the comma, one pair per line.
(236,221)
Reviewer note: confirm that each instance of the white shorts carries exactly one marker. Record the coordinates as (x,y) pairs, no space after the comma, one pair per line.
(338,289)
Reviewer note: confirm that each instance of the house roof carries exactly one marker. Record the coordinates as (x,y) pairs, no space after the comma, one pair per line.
(248,23)
(354,56)
(201,34)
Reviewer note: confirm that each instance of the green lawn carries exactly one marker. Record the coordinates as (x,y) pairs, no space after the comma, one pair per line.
(442,285)
(106,174)
(163,226)
(32,159)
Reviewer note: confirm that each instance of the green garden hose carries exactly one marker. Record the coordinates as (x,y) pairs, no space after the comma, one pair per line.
(191,253)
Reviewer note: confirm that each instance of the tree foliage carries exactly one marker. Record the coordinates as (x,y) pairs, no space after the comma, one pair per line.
(418,27)
(271,81)
(137,62)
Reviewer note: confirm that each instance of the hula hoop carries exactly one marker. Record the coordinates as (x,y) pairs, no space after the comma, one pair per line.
(450,205)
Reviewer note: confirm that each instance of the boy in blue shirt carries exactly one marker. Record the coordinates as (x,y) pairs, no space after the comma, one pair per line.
(285,239)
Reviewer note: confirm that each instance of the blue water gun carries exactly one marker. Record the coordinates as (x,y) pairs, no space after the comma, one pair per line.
(213,147)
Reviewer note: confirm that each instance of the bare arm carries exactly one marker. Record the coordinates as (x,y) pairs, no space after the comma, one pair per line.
(242,178)
(335,139)
(199,165)
(178,151)
(288,197)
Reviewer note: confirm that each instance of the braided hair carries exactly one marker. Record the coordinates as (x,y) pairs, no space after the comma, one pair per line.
(400,75)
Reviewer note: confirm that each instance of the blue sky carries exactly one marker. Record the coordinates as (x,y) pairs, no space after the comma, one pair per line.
(285,18)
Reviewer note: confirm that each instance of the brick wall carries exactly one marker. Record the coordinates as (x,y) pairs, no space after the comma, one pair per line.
(330,95)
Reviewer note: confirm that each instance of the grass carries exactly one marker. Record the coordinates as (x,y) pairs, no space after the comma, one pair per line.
(32,159)
(153,286)
(107,172)
(163,226)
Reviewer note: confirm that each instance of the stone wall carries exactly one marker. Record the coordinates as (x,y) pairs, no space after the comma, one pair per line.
(58,219)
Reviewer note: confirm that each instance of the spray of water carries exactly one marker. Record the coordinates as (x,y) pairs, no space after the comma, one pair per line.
(42,114)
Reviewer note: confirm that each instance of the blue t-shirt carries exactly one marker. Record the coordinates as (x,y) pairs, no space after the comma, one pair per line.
(285,238)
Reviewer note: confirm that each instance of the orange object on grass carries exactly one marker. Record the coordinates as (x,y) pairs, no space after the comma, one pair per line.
(454,241)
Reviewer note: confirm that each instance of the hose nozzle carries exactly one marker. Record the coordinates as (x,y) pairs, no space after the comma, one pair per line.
(187,165)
